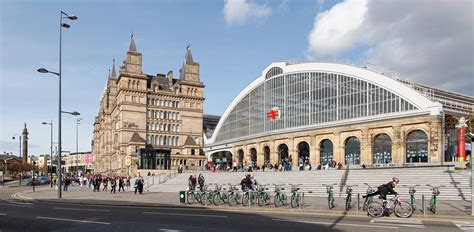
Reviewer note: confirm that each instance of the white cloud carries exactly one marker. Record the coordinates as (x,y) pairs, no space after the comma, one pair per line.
(238,12)
(427,41)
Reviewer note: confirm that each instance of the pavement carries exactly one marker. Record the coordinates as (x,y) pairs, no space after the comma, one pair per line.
(82,195)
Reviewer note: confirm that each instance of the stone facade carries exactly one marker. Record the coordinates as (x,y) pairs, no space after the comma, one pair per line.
(396,129)
(156,120)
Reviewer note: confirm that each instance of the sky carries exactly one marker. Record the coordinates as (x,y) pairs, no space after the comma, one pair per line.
(427,41)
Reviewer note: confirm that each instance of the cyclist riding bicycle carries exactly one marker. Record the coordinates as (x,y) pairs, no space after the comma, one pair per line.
(248,182)
(385,189)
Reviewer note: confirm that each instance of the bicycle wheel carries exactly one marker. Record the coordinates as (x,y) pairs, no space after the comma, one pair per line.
(294,200)
(202,198)
(245,199)
(348,203)
(189,198)
(261,200)
(284,199)
(277,201)
(217,199)
(231,200)
(330,202)
(375,209)
(367,202)
(403,210)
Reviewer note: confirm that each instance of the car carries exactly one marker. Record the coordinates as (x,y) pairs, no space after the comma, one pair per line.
(43,180)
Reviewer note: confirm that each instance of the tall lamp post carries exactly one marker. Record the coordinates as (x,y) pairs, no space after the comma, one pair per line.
(51,154)
(19,140)
(62,15)
(78,121)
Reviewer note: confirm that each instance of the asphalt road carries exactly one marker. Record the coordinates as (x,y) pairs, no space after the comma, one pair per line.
(36,216)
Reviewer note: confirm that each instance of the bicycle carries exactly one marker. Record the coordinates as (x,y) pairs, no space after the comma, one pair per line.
(349,196)
(401,209)
(219,196)
(280,198)
(412,191)
(234,196)
(192,196)
(206,195)
(434,197)
(369,199)
(248,197)
(297,198)
(329,190)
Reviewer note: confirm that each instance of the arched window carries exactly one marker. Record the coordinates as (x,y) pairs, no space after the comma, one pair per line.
(417,147)
(303,154)
(382,149)
(165,140)
(240,158)
(327,151)
(266,155)
(282,152)
(160,140)
(352,151)
(253,157)
(169,127)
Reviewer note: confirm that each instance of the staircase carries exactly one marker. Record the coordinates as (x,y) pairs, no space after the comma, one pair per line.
(456,182)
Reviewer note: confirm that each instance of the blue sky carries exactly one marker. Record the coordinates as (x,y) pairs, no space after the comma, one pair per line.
(232,40)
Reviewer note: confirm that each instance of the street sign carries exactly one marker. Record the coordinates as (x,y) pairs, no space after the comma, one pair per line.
(128,160)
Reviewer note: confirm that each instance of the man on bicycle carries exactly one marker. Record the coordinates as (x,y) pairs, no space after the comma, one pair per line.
(385,189)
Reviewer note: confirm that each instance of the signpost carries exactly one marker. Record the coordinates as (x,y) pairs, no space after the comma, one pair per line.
(128,162)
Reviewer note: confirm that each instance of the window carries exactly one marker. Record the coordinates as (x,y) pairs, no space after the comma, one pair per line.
(192,152)
(352,151)
(417,147)
(382,149)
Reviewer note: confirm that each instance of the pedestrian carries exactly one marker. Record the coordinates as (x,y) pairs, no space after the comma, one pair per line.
(121,184)
(113,184)
(136,184)
(105,182)
(140,185)
(128,183)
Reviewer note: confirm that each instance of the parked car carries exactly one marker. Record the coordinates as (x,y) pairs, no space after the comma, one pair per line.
(42,180)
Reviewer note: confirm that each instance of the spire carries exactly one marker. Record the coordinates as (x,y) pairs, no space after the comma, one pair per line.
(188,57)
(132,47)
(114,74)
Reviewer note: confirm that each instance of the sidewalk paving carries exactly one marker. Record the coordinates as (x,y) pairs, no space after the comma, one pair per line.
(84,195)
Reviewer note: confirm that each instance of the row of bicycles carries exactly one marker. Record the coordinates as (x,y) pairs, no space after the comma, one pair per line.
(230,194)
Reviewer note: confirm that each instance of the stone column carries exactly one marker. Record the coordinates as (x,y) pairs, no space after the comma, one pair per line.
(366,147)
(293,152)
(259,148)
(338,150)
(398,145)
(313,152)
(273,152)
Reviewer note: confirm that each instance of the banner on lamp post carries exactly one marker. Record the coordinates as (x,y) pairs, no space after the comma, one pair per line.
(128,160)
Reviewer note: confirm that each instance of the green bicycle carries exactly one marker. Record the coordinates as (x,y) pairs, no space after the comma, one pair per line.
(263,198)
(206,195)
(249,197)
(234,196)
(192,197)
(349,196)
(412,191)
(280,198)
(329,190)
(219,196)
(297,198)
(434,197)
(369,199)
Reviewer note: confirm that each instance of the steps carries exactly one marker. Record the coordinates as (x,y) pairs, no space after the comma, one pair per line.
(457,184)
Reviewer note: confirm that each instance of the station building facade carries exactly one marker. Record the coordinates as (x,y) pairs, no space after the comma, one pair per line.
(323,112)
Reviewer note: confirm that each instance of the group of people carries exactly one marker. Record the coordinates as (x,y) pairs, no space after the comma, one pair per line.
(193,182)
(97,180)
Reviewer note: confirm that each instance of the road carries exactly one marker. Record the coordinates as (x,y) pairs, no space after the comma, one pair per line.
(44,216)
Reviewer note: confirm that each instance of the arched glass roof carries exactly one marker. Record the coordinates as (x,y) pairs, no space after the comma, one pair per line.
(303,96)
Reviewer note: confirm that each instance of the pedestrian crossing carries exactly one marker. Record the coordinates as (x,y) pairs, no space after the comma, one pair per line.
(402,222)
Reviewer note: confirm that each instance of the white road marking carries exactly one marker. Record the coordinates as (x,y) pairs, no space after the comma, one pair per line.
(3,214)
(185,214)
(339,224)
(17,202)
(97,210)
(169,230)
(465,226)
(15,205)
(398,222)
(74,220)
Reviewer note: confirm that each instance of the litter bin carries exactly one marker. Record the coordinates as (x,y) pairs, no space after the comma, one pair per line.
(182,197)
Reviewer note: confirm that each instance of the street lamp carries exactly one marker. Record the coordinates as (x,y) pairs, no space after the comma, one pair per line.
(78,121)
(51,154)
(19,140)
(62,15)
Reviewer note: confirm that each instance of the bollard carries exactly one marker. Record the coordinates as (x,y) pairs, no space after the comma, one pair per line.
(358,201)
(423,203)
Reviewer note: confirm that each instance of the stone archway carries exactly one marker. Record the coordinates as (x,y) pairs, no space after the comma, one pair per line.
(417,147)
(266,156)
(382,149)
(240,158)
(303,154)
(253,157)
(327,151)
(352,151)
(282,152)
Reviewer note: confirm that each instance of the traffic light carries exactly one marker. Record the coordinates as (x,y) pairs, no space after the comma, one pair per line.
(182,197)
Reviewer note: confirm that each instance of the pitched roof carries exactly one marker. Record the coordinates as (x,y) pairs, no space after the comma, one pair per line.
(136,138)
(190,141)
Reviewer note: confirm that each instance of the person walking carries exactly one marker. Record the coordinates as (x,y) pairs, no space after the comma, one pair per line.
(137,181)
(140,185)
(121,184)
(128,184)
(113,185)
(105,183)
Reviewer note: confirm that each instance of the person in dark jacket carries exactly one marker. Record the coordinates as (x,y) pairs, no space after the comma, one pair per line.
(113,185)
(385,189)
